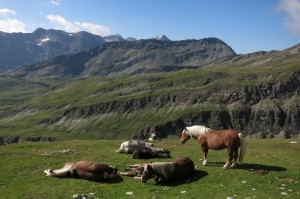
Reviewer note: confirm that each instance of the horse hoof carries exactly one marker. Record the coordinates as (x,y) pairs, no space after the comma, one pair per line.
(233,165)
(226,166)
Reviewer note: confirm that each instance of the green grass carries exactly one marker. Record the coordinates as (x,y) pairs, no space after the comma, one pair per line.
(48,99)
(22,165)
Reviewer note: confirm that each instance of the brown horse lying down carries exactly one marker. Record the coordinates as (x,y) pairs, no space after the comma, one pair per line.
(87,170)
(147,154)
(179,169)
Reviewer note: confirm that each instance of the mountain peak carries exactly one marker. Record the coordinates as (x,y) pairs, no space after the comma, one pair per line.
(161,38)
(114,38)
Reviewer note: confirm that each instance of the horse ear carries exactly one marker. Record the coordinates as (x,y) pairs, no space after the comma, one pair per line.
(148,167)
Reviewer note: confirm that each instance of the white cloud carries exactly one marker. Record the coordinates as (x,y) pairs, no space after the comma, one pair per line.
(56,3)
(12,25)
(5,11)
(78,26)
(63,23)
(93,28)
(292,10)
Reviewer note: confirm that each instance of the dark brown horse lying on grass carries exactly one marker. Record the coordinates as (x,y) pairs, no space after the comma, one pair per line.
(87,170)
(148,154)
(181,168)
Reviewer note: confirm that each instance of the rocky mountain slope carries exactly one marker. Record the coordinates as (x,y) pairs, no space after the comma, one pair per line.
(257,93)
(19,49)
(143,56)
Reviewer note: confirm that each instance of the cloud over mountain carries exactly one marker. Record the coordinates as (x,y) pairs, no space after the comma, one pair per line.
(10,25)
(76,26)
(6,11)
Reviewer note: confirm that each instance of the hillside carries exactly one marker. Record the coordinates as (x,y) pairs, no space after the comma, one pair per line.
(256,93)
(133,88)
(130,58)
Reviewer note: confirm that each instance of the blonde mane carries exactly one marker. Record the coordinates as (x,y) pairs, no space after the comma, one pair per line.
(197,130)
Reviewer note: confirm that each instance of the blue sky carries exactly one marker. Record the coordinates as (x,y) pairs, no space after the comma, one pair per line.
(245,25)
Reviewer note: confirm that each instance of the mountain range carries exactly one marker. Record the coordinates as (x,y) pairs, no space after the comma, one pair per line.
(18,49)
(124,88)
(134,57)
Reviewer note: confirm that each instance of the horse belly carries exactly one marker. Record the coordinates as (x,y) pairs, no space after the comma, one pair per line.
(216,144)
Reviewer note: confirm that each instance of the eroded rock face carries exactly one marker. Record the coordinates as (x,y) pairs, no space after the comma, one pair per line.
(265,108)
(17,139)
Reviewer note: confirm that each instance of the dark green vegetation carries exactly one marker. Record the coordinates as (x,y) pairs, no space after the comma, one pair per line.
(23,164)
(120,107)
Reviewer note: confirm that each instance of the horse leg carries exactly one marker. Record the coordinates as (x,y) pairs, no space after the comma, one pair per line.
(230,157)
(205,151)
(235,157)
(68,169)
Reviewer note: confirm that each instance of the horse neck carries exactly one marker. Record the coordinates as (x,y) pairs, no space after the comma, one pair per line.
(197,131)
(164,169)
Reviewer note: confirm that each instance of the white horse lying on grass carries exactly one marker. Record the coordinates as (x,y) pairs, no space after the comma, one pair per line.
(133,145)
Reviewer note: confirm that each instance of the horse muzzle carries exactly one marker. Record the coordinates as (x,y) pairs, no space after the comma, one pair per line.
(182,141)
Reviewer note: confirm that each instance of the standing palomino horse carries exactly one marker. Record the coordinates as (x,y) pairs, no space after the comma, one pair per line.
(217,140)
(84,170)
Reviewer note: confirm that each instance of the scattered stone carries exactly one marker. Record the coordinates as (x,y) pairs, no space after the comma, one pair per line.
(183,192)
(129,193)
(244,182)
(284,194)
(285,179)
(80,196)
(66,151)
(260,171)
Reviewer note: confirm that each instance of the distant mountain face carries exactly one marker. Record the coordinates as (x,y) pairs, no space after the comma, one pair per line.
(19,49)
(131,57)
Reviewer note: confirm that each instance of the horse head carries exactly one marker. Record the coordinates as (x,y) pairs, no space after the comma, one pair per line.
(185,136)
(147,173)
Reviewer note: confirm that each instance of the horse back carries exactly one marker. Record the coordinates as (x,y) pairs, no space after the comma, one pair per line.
(92,167)
(184,168)
(231,138)
(218,140)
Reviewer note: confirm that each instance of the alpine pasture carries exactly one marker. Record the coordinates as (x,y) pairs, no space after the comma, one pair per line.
(270,170)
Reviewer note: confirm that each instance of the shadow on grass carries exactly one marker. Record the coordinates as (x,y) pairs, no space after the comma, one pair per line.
(195,177)
(255,167)
(116,179)
(250,167)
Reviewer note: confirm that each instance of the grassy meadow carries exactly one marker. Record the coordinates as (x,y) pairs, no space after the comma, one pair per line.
(22,165)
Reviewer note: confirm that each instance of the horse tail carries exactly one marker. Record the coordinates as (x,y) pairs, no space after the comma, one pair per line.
(242,149)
